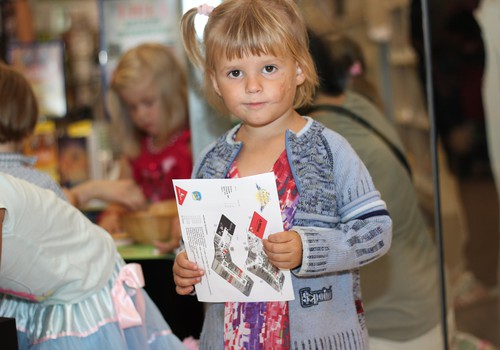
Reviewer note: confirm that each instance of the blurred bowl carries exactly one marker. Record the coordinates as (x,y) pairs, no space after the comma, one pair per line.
(153,224)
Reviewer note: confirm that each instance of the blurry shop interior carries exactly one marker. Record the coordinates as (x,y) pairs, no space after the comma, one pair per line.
(67,49)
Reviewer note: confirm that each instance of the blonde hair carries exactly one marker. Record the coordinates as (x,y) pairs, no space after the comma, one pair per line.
(18,106)
(156,62)
(237,28)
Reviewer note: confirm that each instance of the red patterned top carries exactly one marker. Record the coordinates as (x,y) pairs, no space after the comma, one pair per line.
(154,170)
(263,325)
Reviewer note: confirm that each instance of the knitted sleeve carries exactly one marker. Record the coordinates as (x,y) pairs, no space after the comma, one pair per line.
(360,227)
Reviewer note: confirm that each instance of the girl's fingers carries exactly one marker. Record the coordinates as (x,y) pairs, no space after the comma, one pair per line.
(186,281)
(184,290)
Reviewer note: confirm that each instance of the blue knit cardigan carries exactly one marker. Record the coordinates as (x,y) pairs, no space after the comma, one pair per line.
(343,224)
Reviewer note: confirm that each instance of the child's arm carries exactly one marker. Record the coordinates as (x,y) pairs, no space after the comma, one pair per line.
(353,229)
(344,247)
(186,274)
(122,191)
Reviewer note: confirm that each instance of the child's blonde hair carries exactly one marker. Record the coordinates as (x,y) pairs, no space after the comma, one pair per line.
(237,28)
(18,106)
(156,62)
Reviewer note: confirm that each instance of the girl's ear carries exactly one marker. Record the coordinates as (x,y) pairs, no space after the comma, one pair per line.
(299,75)
(215,84)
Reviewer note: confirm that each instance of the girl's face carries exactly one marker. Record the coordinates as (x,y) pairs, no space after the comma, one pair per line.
(142,102)
(258,89)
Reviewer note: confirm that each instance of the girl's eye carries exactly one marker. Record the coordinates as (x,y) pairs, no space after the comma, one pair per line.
(234,74)
(130,108)
(270,69)
(149,103)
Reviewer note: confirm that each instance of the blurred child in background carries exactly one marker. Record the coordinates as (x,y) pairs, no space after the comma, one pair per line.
(149,110)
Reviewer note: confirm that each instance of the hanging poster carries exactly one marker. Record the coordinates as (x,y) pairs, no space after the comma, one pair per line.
(127,23)
(42,64)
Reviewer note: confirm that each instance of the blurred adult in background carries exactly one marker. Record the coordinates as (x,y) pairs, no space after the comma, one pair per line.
(487,15)
(458,62)
(400,290)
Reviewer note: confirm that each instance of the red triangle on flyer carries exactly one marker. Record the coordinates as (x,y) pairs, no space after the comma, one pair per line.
(181,194)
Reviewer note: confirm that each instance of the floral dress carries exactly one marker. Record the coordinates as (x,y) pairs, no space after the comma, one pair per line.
(263,325)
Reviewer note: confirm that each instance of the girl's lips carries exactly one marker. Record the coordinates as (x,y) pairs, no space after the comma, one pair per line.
(148,129)
(255,105)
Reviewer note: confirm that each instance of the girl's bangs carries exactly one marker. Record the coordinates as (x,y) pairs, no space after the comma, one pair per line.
(240,43)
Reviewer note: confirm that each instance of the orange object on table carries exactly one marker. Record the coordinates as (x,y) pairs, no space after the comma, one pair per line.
(153,224)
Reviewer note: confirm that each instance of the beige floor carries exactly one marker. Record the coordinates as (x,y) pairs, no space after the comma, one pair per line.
(480,203)
(481,320)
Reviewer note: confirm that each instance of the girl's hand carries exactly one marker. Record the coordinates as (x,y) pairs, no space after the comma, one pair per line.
(186,274)
(110,221)
(284,249)
(175,238)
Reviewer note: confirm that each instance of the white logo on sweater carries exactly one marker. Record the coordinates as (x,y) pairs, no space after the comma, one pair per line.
(310,298)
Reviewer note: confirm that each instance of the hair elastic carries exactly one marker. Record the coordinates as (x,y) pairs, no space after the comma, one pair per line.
(356,69)
(205,9)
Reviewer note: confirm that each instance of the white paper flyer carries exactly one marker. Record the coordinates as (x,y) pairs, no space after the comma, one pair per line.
(223,222)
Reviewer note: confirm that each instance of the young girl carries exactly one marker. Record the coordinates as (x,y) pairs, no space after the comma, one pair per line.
(61,277)
(148,106)
(258,68)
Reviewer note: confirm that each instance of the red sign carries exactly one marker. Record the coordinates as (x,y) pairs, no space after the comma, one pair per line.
(258,225)
(181,194)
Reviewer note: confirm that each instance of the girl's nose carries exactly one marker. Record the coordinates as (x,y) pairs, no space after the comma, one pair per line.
(253,85)
(141,112)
